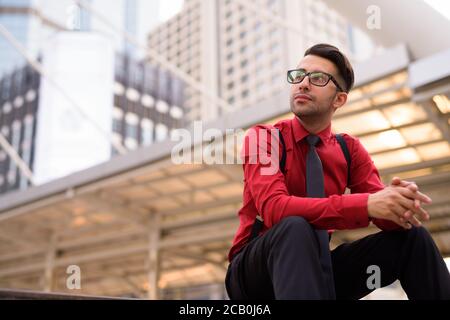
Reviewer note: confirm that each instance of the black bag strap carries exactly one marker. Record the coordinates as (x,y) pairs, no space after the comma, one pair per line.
(283,152)
(259,222)
(347,156)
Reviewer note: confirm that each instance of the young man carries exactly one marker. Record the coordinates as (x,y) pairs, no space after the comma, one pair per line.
(289,257)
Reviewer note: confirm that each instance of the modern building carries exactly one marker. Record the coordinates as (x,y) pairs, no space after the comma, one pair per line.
(133,102)
(19,100)
(32,22)
(148,103)
(145,102)
(238,54)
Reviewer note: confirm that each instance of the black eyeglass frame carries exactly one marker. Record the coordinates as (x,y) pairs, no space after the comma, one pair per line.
(307,74)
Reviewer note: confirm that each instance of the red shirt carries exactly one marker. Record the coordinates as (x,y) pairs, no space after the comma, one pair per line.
(279,195)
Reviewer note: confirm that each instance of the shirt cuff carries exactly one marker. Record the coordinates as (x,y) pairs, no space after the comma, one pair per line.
(355,210)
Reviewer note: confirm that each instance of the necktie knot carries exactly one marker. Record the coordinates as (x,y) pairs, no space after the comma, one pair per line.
(312,140)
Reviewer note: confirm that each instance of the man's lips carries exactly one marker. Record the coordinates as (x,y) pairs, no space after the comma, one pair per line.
(302,97)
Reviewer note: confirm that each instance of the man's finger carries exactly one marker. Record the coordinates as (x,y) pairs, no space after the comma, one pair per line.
(411,218)
(411,210)
(401,222)
(414,195)
(400,182)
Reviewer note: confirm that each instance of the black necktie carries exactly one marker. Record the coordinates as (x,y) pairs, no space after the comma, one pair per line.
(315,189)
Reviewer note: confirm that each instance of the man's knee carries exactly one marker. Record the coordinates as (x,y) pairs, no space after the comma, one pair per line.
(419,234)
(294,222)
(296,228)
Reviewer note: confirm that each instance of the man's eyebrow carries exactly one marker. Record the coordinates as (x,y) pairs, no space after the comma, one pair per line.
(315,70)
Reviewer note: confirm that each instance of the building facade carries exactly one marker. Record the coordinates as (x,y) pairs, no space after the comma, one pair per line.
(147,107)
(148,103)
(19,96)
(238,54)
(33,22)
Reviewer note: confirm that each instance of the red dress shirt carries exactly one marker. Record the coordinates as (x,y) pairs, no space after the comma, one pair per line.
(279,195)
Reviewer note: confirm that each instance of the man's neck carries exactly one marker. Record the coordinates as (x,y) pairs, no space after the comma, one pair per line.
(314,127)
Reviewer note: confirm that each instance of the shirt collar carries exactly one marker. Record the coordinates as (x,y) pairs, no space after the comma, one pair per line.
(300,132)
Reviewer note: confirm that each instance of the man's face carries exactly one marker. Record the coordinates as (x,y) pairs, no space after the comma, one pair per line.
(309,100)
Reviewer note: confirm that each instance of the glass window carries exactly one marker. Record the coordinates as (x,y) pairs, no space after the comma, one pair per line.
(28,122)
(117,125)
(176,112)
(16,126)
(161,132)
(132,131)
(162,106)
(147,132)
(131,143)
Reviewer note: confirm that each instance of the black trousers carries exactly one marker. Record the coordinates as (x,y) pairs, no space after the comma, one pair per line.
(284,264)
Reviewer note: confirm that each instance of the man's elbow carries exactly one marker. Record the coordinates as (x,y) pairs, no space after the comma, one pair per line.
(273,209)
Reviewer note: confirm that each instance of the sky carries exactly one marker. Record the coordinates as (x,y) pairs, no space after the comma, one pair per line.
(442,6)
(169,8)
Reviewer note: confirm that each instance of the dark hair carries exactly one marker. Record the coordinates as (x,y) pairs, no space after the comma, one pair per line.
(341,62)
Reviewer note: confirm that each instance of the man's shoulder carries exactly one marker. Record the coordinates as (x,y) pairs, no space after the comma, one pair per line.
(353,143)
(349,139)
(281,125)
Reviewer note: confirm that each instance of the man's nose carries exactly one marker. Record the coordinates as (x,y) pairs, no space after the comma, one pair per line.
(304,85)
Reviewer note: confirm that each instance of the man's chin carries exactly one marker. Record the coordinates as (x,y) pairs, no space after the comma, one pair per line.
(300,110)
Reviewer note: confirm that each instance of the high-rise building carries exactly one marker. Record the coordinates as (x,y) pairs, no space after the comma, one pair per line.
(148,103)
(19,95)
(241,55)
(133,102)
(33,22)
(127,100)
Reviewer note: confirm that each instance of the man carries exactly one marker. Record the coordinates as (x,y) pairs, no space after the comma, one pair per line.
(290,257)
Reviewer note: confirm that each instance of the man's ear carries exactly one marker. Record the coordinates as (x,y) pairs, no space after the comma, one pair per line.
(340,99)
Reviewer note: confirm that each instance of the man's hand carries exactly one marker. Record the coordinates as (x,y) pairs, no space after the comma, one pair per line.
(409,215)
(399,202)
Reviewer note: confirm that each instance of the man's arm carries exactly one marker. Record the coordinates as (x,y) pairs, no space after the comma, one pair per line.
(273,202)
(391,207)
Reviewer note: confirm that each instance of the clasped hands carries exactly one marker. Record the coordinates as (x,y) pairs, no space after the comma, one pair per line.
(400,202)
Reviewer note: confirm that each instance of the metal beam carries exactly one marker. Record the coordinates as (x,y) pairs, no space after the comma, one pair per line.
(137,248)
(441,123)
(49,263)
(203,206)
(153,262)
(415,166)
(405,147)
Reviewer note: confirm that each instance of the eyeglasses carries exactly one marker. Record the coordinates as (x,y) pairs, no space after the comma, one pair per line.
(316,78)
